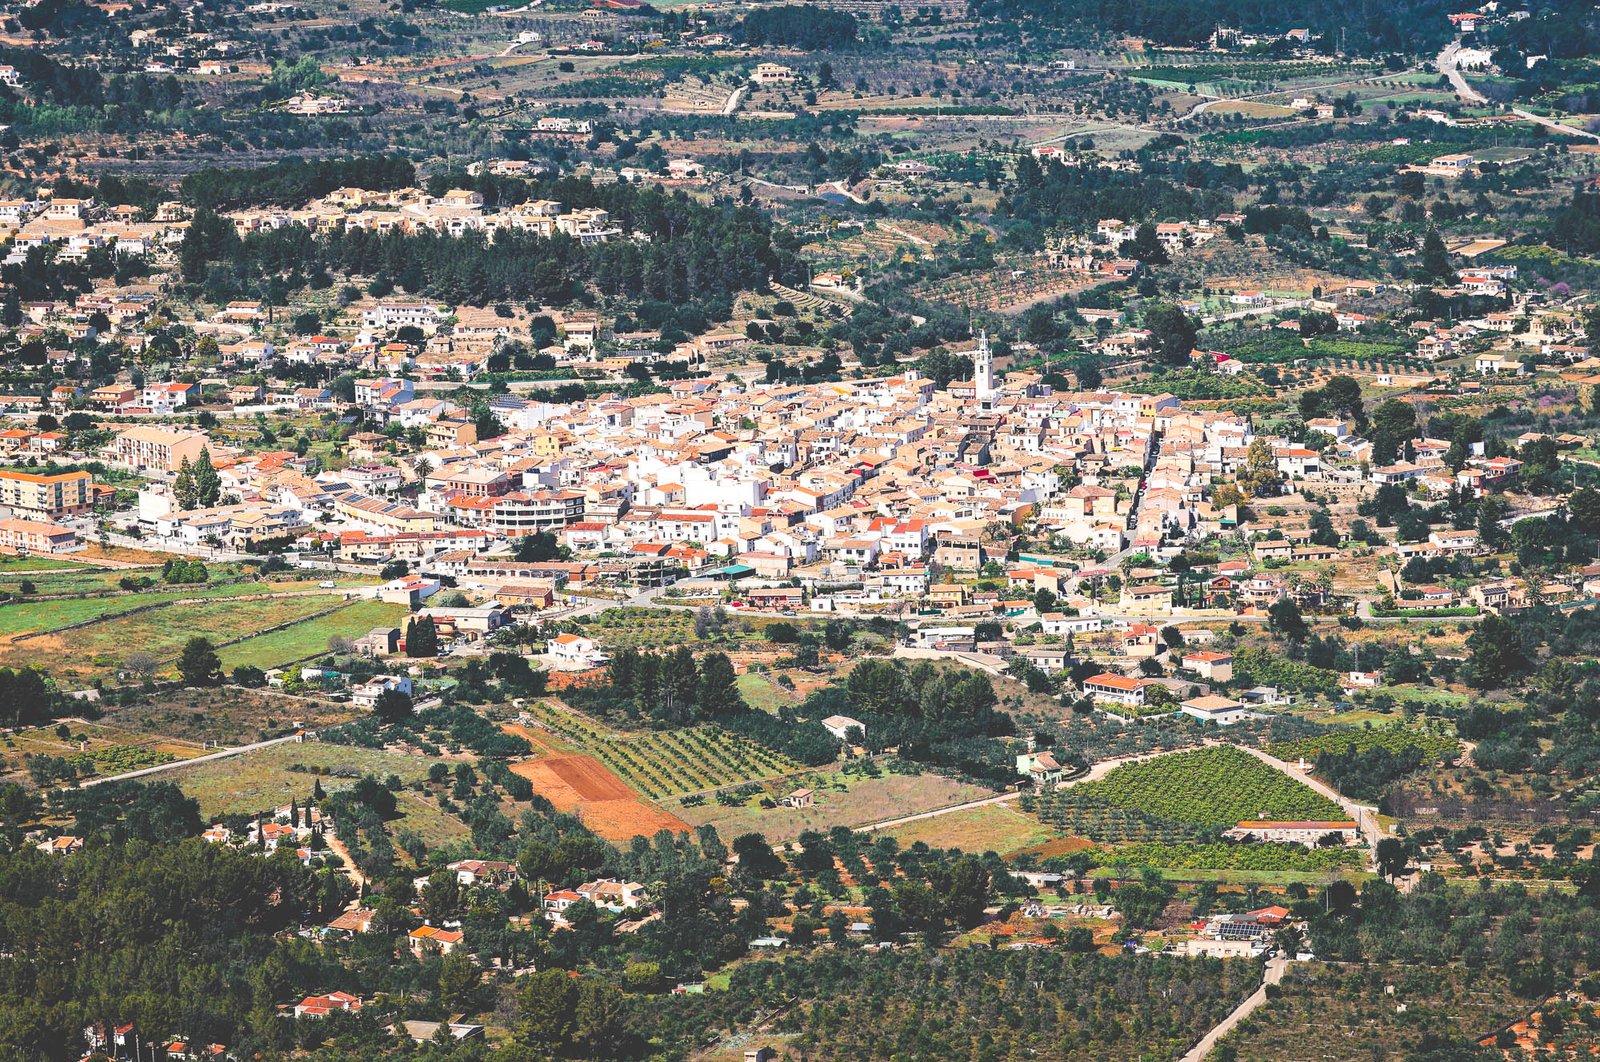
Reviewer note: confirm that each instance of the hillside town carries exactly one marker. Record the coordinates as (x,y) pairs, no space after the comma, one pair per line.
(763,532)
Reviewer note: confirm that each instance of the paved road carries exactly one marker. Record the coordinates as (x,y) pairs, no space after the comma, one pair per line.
(1450,68)
(175,764)
(1274,974)
(1449,65)
(1553,125)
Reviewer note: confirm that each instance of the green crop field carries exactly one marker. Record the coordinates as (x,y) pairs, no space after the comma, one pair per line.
(1200,788)
(17,565)
(73,581)
(29,616)
(310,637)
(1222,856)
(99,649)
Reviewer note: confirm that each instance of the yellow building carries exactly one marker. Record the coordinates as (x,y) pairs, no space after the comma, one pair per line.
(61,494)
(148,448)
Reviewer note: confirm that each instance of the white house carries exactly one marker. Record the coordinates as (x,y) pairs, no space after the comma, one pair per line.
(366,695)
(574,652)
(841,725)
(1213,709)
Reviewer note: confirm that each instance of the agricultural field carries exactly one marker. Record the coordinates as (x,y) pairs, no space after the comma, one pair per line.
(1266,855)
(842,798)
(879,242)
(266,778)
(99,650)
(993,827)
(671,763)
(1005,288)
(92,749)
(583,786)
(31,615)
(637,628)
(310,637)
(1172,798)
(762,694)
(1322,1011)
(1391,739)
(424,817)
(1251,109)
(74,580)
(16,566)
(125,624)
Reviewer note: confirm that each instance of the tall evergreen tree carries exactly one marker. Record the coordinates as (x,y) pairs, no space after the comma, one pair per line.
(183,487)
(207,484)
(422,638)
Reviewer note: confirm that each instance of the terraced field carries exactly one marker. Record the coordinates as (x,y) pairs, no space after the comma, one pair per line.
(310,637)
(667,763)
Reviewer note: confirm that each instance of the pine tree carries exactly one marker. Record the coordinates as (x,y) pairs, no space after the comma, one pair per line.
(1435,258)
(199,665)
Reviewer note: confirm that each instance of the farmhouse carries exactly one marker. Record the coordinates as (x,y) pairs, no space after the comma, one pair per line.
(573,652)
(1213,709)
(841,725)
(1307,833)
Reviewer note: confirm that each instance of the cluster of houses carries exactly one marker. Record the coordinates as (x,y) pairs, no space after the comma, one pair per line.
(456,212)
(289,828)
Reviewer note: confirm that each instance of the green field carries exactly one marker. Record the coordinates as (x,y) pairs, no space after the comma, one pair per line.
(100,649)
(760,693)
(30,616)
(74,580)
(1217,786)
(10,564)
(310,638)
(1249,877)
(1391,739)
